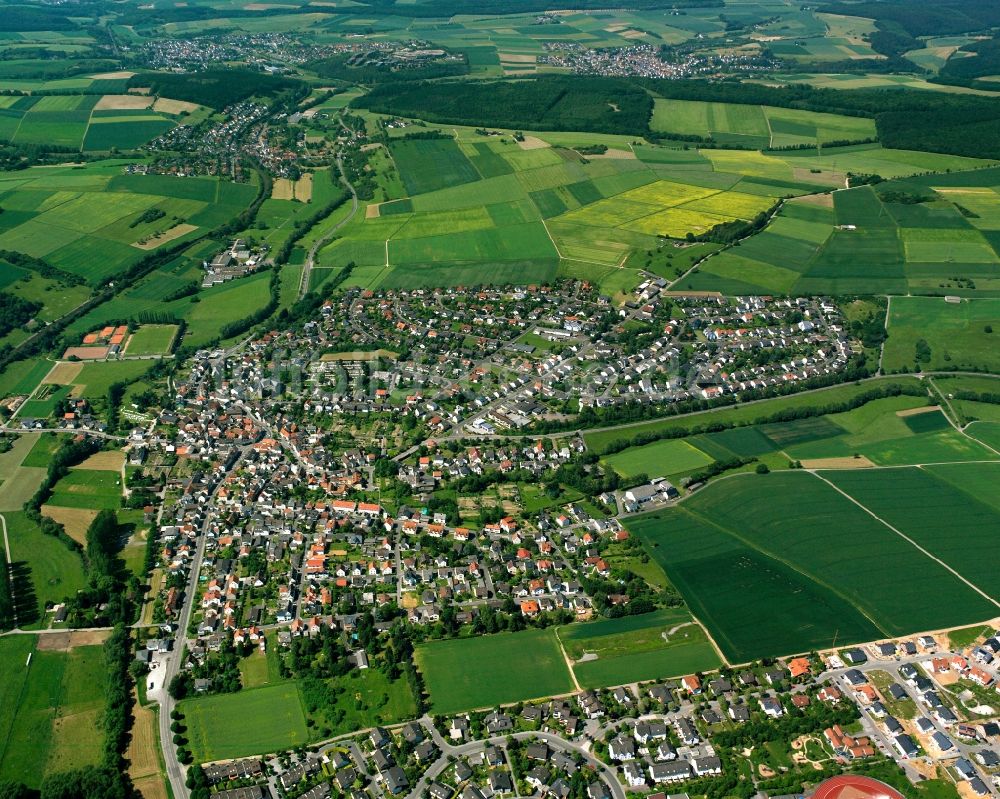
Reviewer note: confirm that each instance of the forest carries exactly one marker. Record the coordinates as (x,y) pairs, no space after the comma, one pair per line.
(956,124)
(217,88)
(602,105)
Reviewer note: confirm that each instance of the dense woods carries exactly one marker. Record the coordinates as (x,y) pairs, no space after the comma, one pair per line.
(218,88)
(603,105)
(966,125)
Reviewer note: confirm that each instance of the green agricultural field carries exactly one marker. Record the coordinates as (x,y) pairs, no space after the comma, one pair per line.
(783,563)
(944,518)
(653,646)
(23,377)
(85,220)
(742,415)
(429,164)
(756,126)
(958,336)
(217,727)
(151,340)
(495,669)
(50,711)
(867,244)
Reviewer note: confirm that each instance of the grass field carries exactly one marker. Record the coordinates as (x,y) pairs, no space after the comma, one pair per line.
(783,563)
(652,646)
(50,709)
(496,669)
(745,414)
(52,572)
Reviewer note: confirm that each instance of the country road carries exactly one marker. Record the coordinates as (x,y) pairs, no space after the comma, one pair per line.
(324,239)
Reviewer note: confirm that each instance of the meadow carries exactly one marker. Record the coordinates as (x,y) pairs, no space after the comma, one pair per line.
(783,563)
(85,488)
(49,571)
(495,669)
(50,709)
(652,646)
(958,335)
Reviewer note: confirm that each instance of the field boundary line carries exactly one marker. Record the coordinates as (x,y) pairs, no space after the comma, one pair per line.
(907,538)
(86,130)
(770,132)
(797,570)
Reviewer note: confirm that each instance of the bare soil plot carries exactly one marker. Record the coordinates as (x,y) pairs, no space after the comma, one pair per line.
(616,154)
(108,461)
(282,189)
(120,75)
(829,178)
(168,106)
(86,353)
(517,58)
(918,411)
(822,200)
(372,211)
(141,753)
(847,462)
(304,188)
(167,235)
(65,641)
(532,143)
(63,373)
(123,102)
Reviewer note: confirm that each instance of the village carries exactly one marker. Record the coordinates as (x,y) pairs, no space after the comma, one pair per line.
(903,701)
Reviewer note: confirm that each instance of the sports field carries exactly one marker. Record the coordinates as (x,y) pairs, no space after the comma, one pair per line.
(652,646)
(216,723)
(466,673)
(86,488)
(218,729)
(783,563)
(151,340)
